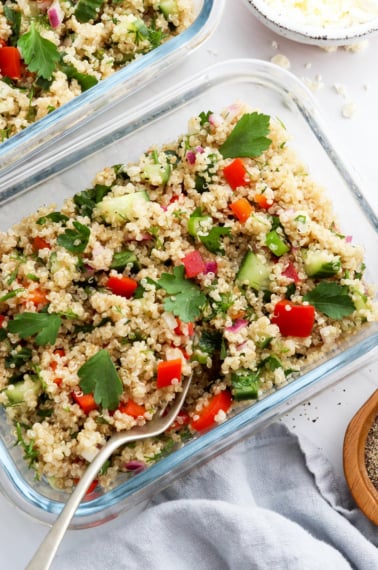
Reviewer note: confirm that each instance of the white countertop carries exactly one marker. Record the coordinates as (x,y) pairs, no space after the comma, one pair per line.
(239,34)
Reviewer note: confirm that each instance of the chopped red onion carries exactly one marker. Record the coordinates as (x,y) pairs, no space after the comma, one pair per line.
(211,267)
(135,466)
(238,324)
(348,239)
(191,157)
(200,149)
(55,14)
(215,120)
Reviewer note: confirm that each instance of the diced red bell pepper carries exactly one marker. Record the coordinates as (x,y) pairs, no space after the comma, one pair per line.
(184,329)
(293,320)
(122,286)
(194,264)
(167,371)
(91,487)
(241,209)
(58,381)
(37,296)
(291,273)
(206,419)
(40,243)
(10,62)
(236,174)
(86,401)
(2,319)
(262,201)
(133,409)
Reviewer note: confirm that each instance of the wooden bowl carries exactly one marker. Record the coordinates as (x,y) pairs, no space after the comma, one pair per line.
(363,491)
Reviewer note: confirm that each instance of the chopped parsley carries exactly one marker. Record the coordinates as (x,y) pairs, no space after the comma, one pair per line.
(87,200)
(331,299)
(99,376)
(75,240)
(39,54)
(44,325)
(248,137)
(185,297)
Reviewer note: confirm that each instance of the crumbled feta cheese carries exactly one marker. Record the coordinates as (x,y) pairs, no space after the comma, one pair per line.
(274,44)
(348,110)
(281,60)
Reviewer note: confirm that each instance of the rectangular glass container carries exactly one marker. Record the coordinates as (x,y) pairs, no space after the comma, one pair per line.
(27,149)
(123,138)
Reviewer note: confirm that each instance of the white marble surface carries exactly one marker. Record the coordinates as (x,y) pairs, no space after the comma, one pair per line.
(325,417)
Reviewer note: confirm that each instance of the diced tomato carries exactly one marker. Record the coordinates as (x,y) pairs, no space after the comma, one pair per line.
(194,264)
(58,381)
(291,273)
(133,409)
(184,329)
(182,419)
(122,286)
(86,401)
(236,174)
(262,201)
(60,352)
(2,319)
(40,243)
(293,320)
(10,62)
(37,296)
(206,419)
(167,371)
(241,209)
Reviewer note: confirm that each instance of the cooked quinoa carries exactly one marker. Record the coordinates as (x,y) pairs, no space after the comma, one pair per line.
(216,255)
(67,46)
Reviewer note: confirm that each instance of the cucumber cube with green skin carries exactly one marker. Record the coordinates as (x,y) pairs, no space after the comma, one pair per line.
(168,7)
(321,264)
(21,391)
(119,209)
(157,174)
(245,386)
(359,300)
(199,224)
(254,272)
(277,245)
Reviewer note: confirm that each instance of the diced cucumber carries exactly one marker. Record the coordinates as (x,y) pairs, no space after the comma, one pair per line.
(321,264)
(157,174)
(168,7)
(276,243)
(360,300)
(254,271)
(198,224)
(21,391)
(120,209)
(245,386)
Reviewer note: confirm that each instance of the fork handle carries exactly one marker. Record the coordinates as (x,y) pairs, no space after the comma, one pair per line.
(44,555)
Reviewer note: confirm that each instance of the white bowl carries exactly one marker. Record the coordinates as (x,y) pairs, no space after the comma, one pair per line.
(282,24)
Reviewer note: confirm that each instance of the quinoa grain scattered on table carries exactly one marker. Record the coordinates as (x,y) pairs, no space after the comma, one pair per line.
(53,50)
(216,255)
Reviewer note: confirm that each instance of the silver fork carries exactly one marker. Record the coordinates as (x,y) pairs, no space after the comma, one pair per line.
(45,554)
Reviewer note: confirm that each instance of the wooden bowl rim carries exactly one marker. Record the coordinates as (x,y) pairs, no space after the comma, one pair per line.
(362,488)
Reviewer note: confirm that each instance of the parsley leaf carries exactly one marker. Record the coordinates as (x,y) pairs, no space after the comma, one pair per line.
(186,298)
(54,217)
(84,80)
(99,376)
(248,137)
(39,54)
(14,18)
(86,201)
(75,240)
(210,341)
(44,325)
(87,10)
(212,240)
(204,117)
(331,299)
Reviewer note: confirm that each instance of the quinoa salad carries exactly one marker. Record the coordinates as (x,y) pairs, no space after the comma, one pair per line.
(53,50)
(216,256)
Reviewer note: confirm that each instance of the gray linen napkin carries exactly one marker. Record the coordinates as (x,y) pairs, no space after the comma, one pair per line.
(269,503)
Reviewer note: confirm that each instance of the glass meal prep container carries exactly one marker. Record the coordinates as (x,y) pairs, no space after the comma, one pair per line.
(124,138)
(37,141)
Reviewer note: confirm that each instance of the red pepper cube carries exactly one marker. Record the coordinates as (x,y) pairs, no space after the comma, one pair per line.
(86,401)
(167,371)
(184,329)
(236,174)
(206,416)
(40,243)
(133,409)
(10,62)
(293,320)
(122,286)
(194,264)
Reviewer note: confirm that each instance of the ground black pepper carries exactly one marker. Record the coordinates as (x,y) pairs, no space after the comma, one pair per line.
(371,453)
